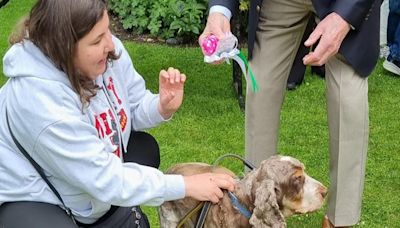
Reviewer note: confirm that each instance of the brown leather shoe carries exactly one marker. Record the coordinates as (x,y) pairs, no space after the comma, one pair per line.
(327,224)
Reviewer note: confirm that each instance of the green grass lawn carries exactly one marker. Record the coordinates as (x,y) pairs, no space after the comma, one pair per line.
(210,123)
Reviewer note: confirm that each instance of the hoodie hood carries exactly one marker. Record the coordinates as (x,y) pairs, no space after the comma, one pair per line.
(25,59)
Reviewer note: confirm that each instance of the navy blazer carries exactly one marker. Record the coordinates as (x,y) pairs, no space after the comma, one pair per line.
(361,45)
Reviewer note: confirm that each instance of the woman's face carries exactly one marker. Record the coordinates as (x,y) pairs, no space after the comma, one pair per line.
(92,49)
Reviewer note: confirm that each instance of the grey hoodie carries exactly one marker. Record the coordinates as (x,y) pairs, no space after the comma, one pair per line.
(79,152)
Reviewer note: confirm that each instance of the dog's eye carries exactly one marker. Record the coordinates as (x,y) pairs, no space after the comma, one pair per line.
(297,183)
(299,180)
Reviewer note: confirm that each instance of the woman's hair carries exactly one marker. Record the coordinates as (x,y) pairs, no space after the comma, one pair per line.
(55,27)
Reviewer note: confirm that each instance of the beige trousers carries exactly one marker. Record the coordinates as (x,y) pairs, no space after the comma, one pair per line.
(278,37)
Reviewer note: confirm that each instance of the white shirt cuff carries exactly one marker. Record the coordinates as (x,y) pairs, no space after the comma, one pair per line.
(175,187)
(221,9)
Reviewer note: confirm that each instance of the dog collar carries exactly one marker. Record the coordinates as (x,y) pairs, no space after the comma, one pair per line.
(242,209)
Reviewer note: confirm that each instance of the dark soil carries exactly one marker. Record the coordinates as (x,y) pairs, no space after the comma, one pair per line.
(118,30)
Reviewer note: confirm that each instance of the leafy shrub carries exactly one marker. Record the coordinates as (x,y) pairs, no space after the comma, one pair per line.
(162,18)
(177,18)
(134,14)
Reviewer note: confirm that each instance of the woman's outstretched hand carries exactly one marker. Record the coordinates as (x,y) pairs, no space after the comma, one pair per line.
(207,186)
(171,91)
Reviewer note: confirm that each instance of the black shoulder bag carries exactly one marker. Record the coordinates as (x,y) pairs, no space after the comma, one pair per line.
(39,170)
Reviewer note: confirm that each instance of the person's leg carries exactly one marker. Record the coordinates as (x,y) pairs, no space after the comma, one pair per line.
(347,101)
(395,50)
(298,69)
(280,29)
(393,20)
(394,29)
(296,75)
(392,62)
(33,215)
(143,149)
(390,26)
(318,70)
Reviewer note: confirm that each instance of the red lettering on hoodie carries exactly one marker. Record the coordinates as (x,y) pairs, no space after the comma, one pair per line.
(106,126)
(99,129)
(123,119)
(111,87)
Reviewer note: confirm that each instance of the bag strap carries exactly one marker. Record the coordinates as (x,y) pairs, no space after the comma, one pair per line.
(39,170)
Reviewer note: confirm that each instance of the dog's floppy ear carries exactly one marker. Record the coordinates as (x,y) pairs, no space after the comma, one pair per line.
(266,211)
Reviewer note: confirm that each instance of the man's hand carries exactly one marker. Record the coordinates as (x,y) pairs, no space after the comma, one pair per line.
(217,24)
(330,32)
(171,91)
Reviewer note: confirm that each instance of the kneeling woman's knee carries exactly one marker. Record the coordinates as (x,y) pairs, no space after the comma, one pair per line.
(143,149)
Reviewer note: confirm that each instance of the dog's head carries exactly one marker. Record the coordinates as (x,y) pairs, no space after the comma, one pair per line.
(282,188)
(278,188)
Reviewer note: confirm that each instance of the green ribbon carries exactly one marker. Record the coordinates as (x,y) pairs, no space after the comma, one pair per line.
(254,85)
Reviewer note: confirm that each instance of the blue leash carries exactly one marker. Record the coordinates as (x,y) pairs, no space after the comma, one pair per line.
(242,209)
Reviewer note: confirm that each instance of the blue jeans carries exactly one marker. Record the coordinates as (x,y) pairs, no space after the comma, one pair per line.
(393,29)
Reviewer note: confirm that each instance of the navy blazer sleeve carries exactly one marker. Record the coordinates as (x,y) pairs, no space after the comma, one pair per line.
(353,11)
(361,46)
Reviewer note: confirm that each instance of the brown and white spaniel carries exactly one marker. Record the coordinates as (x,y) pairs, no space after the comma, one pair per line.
(278,188)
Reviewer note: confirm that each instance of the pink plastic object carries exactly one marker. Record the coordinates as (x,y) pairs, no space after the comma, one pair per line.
(209,45)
